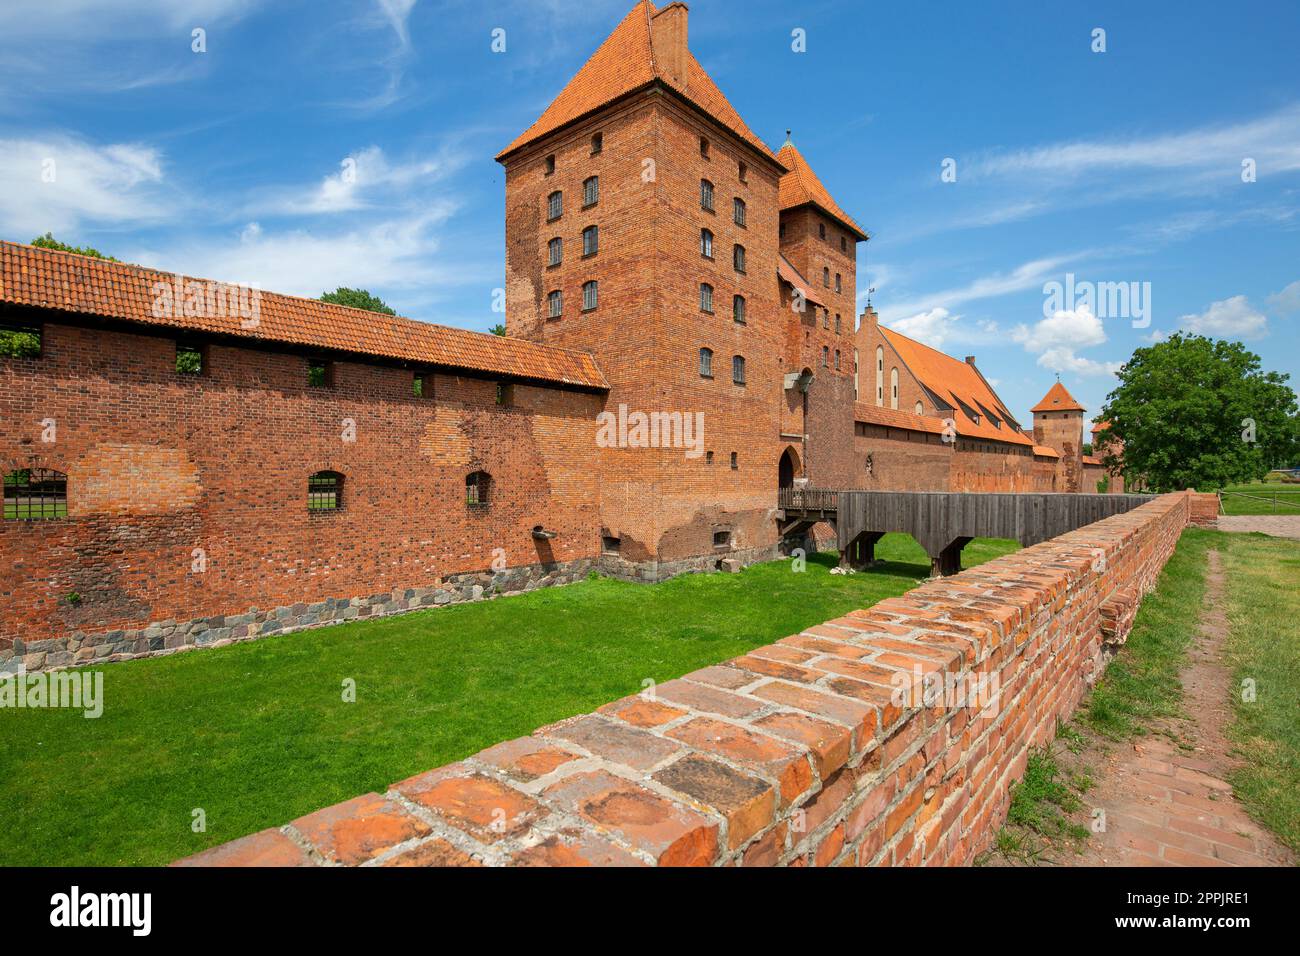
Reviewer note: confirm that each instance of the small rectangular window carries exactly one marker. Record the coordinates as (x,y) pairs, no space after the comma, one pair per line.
(722,539)
(550,164)
(591,240)
(324,492)
(589,295)
(704,147)
(738,208)
(35,494)
(610,545)
(20,340)
(421,385)
(505,394)
(554,205)
(189,358)
(706,297)
(555,251)
(744,173)
(320,373)
(597,143)
(706,195)
(735,462)
(554,304)
(591,191)
(738,258)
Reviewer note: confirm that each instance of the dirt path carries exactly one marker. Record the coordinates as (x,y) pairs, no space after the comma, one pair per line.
(1278,526)
(1165,797)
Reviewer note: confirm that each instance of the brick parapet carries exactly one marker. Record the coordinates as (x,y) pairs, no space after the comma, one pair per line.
(803,752)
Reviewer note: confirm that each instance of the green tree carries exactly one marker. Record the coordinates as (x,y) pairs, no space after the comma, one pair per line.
(1194,412)
(357,299)
(498,329)
(48,241)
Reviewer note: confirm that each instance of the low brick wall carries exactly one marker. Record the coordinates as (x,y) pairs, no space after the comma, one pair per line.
(847,744)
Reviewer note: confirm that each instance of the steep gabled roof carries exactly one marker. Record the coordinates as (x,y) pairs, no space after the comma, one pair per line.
(1058,399)
(48,279)
(626,62)
(959,384)
(788,274)
(801,187)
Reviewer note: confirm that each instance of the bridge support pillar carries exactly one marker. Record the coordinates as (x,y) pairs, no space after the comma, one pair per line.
(861,551)
(948,561)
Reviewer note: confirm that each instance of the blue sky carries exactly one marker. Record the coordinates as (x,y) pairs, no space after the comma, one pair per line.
(1116,166)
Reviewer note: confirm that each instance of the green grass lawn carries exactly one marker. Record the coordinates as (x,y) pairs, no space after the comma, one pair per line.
(1263,584)
(257,734)
(1257,498)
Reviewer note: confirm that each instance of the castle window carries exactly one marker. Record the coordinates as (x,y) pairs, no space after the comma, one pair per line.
(735,461)
(591,191)
(920,409)
(591,240)
(744,173)
(505,396)
(837,323)
(610,545)
(837,283)
(708,457)
(826,318)
(837,360)
(35,494)
(550,164)
(738,211)
(324,492)
(821,230)
(893,388)
(555,251)
(189,358)
(844,244)
(554,304)
(478,489)
(597,143)
(738,308)
(554,206)
(706,364)
(320,373)
(706,195)
(20,340)
(589,294)
(706,297)
(826,356)
(826,278)
(704,147)
(706,244)
(738,258)
(722,539)
(421,385)
(738,369)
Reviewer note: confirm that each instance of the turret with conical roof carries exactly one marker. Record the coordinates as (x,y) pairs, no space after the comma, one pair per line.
(1058,423)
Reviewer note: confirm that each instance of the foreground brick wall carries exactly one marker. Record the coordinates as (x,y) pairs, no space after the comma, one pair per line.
(804,752)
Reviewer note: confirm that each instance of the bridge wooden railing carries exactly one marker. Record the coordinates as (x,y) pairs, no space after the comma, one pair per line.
(807,499)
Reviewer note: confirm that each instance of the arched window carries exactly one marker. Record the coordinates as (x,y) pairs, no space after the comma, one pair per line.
(880,375)
(554,205)
(706,297)
(478,489)
(738,257)
(920,409)
(738,210)
(706,195)
(837,323)
(591,191)
(324,492)
(35,494)
(555,251)
(591,240)
(706,243)
(838,287)
(826,355)
(826,277)
(554,304)
(837,360)
(738,308)
(893,388)
(706,363)
(738,369)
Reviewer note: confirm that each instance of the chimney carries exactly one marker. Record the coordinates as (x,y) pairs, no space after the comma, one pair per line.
(970,360)
(868,319)
(668,38)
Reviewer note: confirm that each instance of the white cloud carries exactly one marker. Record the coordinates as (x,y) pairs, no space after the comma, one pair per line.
(1057,338)
(1288,300)
(933,327)
(1026,276)
(82,20)
(1229,319)
(394,15)
(59,183)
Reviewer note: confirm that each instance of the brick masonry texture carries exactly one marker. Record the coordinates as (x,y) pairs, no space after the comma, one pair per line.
(800,753)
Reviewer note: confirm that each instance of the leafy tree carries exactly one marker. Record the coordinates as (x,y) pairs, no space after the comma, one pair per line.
(498,329)
(1193,412)
(48,241)
(357,299)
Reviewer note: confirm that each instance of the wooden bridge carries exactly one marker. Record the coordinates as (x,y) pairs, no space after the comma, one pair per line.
(941,522)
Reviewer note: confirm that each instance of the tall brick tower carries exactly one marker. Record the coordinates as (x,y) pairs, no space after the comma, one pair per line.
(1058,423)
(642,225)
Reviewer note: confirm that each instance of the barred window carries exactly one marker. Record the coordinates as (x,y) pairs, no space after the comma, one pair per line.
(738,369)
(35,494)
(706,195)
(706,243)
(478,489)
(706,363)
(554,205)
(555,251)
(706,297)
(738,211)
(738,308)
(591,191)
(738,258)
(589,294)
(554,304)
(20,340)
(591,240)
(324,492)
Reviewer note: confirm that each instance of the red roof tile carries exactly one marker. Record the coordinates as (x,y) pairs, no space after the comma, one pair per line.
(1058,399)
(625,62)
(896,418)
(66,282)
(801,187)
(1043,451)
(793,277)
(958,384)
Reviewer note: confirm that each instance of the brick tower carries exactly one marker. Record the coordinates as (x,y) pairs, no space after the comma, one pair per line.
(642,225)
(1058,423)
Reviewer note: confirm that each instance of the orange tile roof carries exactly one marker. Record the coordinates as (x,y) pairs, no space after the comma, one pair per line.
(66,282)
(896,418)
(1091,460)
(1042,451)
(626,62)
(789,274)
(1100,427)
(801,187)
(957,383)
(1058,399)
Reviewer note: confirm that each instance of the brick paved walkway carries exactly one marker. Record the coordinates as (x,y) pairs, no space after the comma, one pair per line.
(1167,803)
(1279,526)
